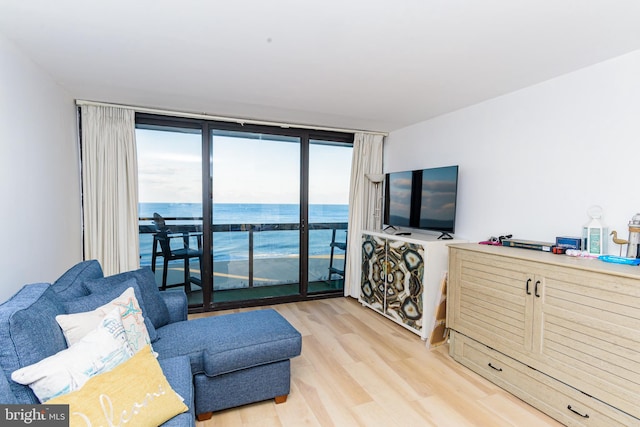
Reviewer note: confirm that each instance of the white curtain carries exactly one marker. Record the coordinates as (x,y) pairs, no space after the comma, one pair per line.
(110,187)
(367,159)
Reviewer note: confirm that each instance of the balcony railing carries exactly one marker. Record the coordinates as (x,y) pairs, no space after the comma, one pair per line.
(253,244)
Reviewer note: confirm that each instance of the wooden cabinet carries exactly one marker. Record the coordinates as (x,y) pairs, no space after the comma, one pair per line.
(401,277)
(550,329)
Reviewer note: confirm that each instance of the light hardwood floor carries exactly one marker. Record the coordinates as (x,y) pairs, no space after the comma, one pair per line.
(358,368)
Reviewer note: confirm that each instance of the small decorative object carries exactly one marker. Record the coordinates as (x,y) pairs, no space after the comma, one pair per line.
(618,241)
(496,241)
(594,232)
(633,248)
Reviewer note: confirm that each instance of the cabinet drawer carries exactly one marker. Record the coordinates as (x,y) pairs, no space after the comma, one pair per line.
(552,397)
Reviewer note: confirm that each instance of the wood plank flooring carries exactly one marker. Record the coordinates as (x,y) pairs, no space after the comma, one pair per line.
(358,368)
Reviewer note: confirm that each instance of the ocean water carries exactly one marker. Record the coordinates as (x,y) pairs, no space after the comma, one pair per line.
(230,246)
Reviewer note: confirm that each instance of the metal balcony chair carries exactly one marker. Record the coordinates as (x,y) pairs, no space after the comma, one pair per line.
(162,247)
(336,245)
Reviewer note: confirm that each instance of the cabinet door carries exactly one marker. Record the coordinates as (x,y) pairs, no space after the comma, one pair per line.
(588,334)
(490,299)
(404,292)
(372,285)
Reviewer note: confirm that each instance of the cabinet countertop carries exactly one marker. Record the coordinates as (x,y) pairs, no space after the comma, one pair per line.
(582,263)
(419,238)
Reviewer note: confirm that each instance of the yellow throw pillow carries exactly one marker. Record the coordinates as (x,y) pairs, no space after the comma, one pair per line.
(135,393)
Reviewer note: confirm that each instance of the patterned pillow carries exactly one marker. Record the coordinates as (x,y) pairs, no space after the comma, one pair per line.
(107,294)
(100,351)
(135,393)
(75,326)
(155,308)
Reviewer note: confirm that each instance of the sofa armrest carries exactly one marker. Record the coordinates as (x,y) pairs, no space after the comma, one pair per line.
(176,301)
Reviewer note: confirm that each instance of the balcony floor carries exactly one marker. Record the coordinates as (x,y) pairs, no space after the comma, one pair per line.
(273,277)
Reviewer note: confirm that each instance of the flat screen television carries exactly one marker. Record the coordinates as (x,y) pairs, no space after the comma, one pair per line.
(424,199)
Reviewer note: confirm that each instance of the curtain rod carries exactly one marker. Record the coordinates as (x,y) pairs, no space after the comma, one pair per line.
(222,118)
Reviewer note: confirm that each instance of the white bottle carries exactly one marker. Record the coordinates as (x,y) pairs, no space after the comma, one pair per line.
(595,233)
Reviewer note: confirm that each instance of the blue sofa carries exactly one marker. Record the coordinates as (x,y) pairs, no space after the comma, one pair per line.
(214,363)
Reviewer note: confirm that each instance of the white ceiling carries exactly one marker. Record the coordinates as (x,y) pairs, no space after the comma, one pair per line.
(360,64)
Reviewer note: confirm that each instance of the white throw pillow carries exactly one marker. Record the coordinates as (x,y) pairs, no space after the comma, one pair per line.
(99,351)
(77,325)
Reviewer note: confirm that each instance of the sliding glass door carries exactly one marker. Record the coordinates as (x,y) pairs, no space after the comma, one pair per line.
(328,197)
(242,215)
(170,206)
(255,212)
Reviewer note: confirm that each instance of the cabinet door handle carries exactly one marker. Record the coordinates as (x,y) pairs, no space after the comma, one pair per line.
(493,367)
(528,282)
(536,289)
(576,412)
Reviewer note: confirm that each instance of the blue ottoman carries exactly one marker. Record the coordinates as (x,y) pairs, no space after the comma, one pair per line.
(235,358)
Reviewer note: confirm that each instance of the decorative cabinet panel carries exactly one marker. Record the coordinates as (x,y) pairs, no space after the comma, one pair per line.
(392,279)
(401,278)
(576,322)
(374,284)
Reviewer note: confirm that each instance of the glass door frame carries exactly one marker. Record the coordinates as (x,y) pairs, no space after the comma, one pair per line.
(305,135)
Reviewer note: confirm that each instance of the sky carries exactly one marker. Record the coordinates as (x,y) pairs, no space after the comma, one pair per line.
(244,170)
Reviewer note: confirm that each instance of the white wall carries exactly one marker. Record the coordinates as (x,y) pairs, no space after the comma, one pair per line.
(533,161)
(40,226)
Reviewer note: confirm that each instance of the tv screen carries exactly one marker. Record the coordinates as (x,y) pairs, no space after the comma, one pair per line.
(438,199)
(424,199)
(398,203)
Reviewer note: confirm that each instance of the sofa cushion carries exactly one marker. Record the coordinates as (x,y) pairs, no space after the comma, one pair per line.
(104,295)
(135,392)
(154,306)
(6,395)
(220,344)
(69,285)
(104,348)
(29,332)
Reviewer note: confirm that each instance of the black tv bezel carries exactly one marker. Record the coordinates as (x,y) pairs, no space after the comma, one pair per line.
(416,200)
